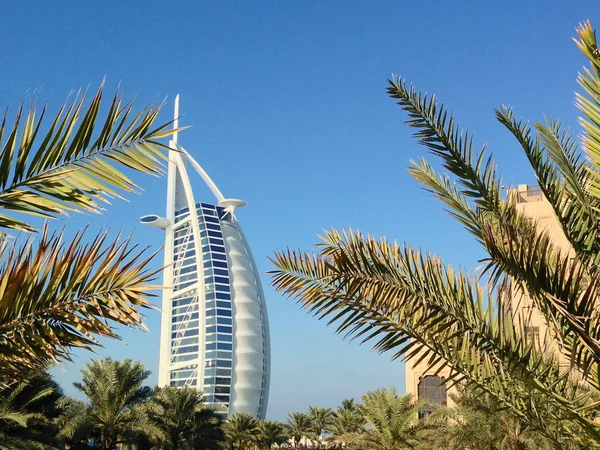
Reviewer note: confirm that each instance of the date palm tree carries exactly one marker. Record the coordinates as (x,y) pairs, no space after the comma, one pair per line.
(412,304)
(346,421)
(321,418)
(300,425)
(57,293)
(241,431)
(269,433)
(181,420)
(113,389)
(392,421)
(26,412)
(475,422)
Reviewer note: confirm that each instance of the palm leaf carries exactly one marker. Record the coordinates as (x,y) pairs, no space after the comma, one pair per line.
(76,165)
(57,295)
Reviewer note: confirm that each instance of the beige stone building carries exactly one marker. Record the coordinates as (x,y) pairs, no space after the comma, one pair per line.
(424,383)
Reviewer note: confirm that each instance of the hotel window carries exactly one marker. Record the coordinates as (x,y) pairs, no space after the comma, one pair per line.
(432,389)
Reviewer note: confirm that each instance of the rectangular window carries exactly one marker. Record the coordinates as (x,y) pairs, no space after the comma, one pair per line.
(189,341)
(224,337)
(181,374)
(184,317)
(223,296)
(223,355)
(222,389)
(222,280)
(182,301)
(223,372)
(186,333)
(222,288)
(183,358)
(223,346)
(181,351)
(213,226)
(224,381)
(216,234)
(224,312)
(219,256)
(223,321)
(211,219)
(223,329)
(221,304)
(187,269)
(184,325)
(220,264)
(216,241)
(217,248)
(221,272)
(211,320)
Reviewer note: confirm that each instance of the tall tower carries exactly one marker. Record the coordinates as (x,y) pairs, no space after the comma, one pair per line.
(214,330)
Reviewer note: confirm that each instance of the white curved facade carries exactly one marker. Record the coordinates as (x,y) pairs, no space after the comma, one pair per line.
(214,331)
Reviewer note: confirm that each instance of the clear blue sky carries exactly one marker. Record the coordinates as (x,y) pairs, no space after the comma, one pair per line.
(288,111)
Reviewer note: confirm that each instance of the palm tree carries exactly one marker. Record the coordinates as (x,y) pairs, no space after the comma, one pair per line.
(181,420)
(241,430)
(113,388)
(270,433)
(477,423)
(392,421)
(411,304)
(321,417)
(346,421)
(299,425)
(26,412)
(74,425)
(59,293)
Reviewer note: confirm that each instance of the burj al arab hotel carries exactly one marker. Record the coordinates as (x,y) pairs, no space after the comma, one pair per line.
(214,330)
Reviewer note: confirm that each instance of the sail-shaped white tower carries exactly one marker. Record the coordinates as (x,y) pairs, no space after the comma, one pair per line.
(215,330)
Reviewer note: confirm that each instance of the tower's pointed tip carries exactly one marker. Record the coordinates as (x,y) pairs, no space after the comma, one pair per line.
(176,118)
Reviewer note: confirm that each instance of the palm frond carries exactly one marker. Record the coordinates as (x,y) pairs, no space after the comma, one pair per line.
(76,165)
(57,295)
(413,306)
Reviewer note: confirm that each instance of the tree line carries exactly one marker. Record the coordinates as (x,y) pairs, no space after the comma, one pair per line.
(119,411)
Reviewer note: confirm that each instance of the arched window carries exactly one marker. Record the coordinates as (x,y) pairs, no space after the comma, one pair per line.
(432,389)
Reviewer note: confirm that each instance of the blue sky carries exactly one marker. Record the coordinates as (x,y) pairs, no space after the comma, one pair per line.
(287,107)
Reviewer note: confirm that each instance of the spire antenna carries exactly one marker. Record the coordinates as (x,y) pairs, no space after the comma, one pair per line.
(176,120)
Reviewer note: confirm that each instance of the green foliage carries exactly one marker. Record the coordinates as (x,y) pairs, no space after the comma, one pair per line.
(27,409)
(392,422)
(300,425)
(240,430)
(412,305)
(270,433)
(477,423)
(321,418)
(178,419)
(113,390)
(56,295)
